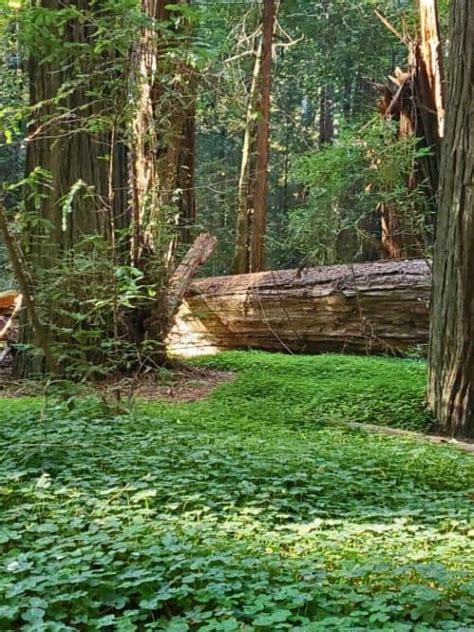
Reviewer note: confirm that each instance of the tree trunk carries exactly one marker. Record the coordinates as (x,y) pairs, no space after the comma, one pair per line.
(416,100)
(257,246)
(430,89)
(253,184)
(364,308)
(451,357)
(163,148)
(326,120)
(186,175)
(59,143)
(246,181)
(401,237)
(78,165)
(432,56)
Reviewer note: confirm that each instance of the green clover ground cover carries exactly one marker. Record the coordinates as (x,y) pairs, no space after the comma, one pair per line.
(241,512)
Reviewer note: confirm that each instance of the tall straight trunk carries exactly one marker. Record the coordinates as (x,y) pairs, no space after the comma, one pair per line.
(186,175)
(60,143)
(163,148)
(257,246)
(83,189)
(326,120)
(253,183)
(451,358)
(245,195)
(162,162)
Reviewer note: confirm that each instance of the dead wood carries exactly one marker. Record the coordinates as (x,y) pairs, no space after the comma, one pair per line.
(378,307)
(399,432)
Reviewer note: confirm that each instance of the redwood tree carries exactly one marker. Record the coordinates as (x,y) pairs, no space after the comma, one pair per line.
(110,162)
(451,357)
(163,143)
(71,135)
(253,185)
(76,162)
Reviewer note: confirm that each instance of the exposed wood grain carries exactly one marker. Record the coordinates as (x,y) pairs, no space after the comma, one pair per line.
(7,301)
(378,307)
(197,255)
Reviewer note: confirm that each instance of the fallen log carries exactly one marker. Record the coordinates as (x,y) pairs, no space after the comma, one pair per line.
(7,325)
(399,432)
(378,307)
(8,301)
(10,305)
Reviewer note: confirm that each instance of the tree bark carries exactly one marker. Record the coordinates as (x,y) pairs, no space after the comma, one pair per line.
(186,175)
(163,148)
(364,308)
(401,237)
(247,168)
(253,184)
(60,143)
(451,354)
(326,120)
(417,101)
(83,187)
(257,248)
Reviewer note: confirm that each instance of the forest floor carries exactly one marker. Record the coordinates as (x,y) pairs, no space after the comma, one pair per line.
(186,384)
(245,510)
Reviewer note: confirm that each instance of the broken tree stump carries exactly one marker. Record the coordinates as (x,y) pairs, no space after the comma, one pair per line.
(160,322)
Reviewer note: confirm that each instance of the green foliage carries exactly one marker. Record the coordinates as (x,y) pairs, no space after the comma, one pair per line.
(6,281)
(347,183)
(339,45)
(12,100)
(306,390)
(89,301)
(335,44)
(79,232)
(238,513)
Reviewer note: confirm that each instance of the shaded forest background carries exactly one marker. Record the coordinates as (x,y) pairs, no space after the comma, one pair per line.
(330,59)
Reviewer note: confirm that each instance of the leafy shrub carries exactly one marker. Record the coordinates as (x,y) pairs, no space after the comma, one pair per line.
(347,182)
(91,304)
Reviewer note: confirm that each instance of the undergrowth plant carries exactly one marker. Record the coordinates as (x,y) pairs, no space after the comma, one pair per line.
(347,184)
(242,512)
(92,304)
